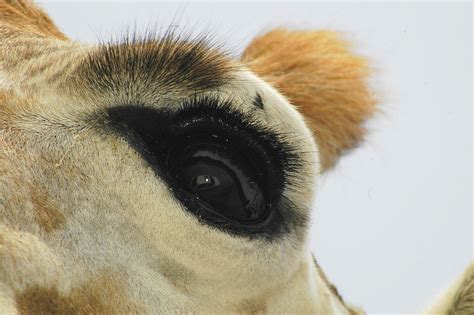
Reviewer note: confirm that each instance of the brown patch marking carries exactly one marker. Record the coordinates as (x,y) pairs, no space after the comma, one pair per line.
(47,215)
(253,306)
(100,295)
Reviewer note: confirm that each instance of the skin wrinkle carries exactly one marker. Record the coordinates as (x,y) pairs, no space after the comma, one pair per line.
(176,274)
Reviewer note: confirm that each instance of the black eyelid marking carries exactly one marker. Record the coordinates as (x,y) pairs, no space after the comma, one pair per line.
(258,102)
(153,133)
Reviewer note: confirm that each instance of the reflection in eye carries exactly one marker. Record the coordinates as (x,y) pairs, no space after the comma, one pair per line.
(222,180)
(204,182)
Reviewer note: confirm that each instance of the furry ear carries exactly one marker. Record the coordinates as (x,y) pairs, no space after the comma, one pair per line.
(316,72)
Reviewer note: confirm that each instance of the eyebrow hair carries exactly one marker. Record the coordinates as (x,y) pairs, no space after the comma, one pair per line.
(170,62)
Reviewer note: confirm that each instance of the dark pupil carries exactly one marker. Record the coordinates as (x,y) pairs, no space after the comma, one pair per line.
(204,182)
(221,183)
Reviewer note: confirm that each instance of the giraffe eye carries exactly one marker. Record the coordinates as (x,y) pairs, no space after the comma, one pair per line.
(222,180)
(217,164)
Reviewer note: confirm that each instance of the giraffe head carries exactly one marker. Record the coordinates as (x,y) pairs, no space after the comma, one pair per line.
(185,174)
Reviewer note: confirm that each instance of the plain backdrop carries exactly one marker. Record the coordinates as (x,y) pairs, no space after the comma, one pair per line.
(393,221)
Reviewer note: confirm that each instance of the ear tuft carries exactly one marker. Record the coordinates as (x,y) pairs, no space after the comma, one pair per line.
(316,72)
(26,16)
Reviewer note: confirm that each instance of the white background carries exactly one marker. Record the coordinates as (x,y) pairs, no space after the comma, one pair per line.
(393,221)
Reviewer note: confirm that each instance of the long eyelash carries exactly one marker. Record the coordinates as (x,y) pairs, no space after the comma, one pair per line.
(286,151)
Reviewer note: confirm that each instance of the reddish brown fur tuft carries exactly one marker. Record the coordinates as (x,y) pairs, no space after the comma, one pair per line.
(26,16)
(316,72)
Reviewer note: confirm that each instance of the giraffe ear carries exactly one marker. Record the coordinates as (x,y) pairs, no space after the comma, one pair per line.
(320,76)
(26,16)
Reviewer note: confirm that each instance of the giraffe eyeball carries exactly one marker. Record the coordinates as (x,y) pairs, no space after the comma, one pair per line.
(226,180)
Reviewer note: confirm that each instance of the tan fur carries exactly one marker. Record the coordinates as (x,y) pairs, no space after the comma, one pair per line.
(317,72)
(86,226)
(458,299)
